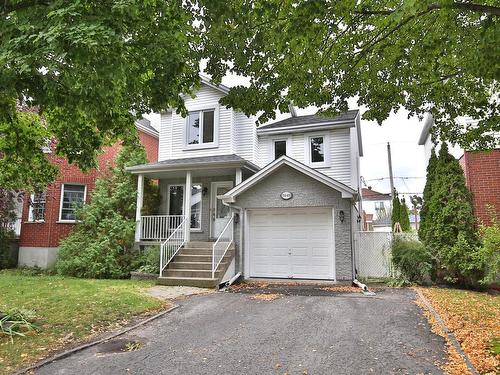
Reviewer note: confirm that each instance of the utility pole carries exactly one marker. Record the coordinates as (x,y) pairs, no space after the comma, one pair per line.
(397,227)
(391,177)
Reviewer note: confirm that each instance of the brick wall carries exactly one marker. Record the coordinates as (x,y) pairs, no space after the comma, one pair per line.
(150,143)
(482,176)
(50,232)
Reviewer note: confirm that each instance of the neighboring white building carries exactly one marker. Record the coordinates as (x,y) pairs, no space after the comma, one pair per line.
(278,201)
(425,140)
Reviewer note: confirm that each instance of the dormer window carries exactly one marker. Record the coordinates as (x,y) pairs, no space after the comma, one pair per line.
(201,129)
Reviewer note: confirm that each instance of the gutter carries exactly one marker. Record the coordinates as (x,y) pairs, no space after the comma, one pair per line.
(183,167)
(308,127)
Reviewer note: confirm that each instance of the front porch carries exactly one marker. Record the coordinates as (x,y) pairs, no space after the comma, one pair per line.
(198,223)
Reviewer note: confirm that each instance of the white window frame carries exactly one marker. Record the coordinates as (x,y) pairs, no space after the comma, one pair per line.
(184,202)
(326,146)
(201,206)
(288,141)
(62,197)
(199,146)
(30,212)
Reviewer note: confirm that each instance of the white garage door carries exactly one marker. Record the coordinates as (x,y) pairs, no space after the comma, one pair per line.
(291,243)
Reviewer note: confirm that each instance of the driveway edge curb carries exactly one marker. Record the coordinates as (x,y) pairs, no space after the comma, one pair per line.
(69,352)
(449,334)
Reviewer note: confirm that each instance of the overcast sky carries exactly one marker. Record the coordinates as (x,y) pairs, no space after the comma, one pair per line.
(408,159)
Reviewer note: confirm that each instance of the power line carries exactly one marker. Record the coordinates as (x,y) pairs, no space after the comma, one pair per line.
(401,177)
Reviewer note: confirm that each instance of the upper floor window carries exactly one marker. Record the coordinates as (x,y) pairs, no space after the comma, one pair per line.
(72,198)
(379,207)
(37,207)
(317,149)
(279,148)
(201,128)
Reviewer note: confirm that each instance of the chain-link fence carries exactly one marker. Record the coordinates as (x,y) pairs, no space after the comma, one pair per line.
(373,253)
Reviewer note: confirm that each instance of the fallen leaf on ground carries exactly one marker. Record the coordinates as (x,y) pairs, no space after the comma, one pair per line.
(266,297)
(341,289)
(474,319)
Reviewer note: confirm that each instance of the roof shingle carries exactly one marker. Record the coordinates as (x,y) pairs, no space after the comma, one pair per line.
(312,120)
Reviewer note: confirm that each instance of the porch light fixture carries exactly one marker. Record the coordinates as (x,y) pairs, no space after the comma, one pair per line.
(341,216)
(204,191)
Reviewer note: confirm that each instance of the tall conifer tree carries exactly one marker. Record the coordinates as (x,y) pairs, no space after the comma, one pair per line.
(450,233)
(430,177)
(396,209)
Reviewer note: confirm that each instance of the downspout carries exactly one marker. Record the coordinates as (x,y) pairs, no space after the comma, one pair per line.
(353,250)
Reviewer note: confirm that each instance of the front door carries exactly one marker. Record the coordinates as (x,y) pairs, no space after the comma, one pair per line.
(220,214)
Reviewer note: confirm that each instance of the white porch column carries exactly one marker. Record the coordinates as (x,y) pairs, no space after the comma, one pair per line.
(238,176)
(138,209)
(187,206)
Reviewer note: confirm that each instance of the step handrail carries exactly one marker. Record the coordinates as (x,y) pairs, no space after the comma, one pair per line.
(171,246)
(216,260)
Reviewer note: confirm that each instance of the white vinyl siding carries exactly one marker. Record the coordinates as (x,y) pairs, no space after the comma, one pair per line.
(245,137)
(339,149)
(340,157)
(237,134)
(207,98)
(165,141)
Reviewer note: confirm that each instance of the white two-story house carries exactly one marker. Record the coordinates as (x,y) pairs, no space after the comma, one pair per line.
(276,201)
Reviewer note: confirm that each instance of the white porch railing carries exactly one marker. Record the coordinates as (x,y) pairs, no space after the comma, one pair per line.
(158,227)
(172,244)
(222,244)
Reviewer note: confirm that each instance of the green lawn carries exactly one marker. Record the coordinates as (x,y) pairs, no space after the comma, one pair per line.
(68,310)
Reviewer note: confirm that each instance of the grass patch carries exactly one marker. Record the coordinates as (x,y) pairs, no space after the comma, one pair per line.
(67,310)
(474,319)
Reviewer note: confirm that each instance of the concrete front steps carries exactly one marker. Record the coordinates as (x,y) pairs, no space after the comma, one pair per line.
(192,266)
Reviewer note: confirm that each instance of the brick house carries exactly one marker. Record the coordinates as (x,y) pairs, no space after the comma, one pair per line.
(47,218)
(482,176)
(481,170)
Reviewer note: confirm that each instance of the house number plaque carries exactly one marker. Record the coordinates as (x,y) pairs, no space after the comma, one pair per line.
(286,195)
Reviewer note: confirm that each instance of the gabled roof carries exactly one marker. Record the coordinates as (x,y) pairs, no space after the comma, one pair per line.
(349,119)
(144,125)
(372,195)
(297,121)
(346,191)
(428,122)
(194,162)
(207,81)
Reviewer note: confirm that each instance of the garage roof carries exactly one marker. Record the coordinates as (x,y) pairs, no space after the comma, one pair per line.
(346,191)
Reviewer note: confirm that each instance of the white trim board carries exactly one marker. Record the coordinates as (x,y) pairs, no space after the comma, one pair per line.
(345,190)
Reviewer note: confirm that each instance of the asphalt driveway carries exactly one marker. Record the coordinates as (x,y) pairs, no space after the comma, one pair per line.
(232,333)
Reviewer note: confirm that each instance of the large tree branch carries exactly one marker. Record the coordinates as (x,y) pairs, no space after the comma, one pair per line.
(476,8)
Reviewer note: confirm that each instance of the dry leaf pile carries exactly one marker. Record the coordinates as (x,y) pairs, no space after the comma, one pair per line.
(474,318)
(266,296)
(341,289)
